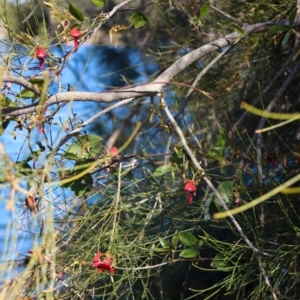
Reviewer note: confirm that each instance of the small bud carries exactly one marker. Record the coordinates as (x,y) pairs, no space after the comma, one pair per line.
(114,151)
(41,55)
(191,189)
(30,203)
(76,34)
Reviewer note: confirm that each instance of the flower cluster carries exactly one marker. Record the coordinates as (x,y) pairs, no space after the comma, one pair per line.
(104,264)
(41,53)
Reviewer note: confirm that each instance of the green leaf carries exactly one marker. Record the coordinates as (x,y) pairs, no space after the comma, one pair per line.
(225,189)
(189,253)
(23,167)
(138,19)
(85,147)
(277,29)
(162,250)
(82,186)
(162,170)
(164,243)
(286,38)
(179,152)
(204,10)
(174,241)
(197,21)
(7,102)
(76,12)
(221,263)
(220,143)
(188,239)
(79,186)
(99,3)
(238,29)
(26,94)
(37,81)
(292,16)
(215,153)
(225,137)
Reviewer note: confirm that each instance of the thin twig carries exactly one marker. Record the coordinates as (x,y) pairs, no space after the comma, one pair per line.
(196,81)
(116,204)
(227,15)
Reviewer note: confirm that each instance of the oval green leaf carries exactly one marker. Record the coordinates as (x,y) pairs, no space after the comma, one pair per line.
(188,239)
(85,147)
(221,263)
(277,29)
(80,186)
(189,253)
(37,81)
(162,170)
(138,19)
(99,3)
(204,10)
(174,241)
(238,29)
(292,16)
(76,12)
(7,102)
(162,250)
(164,243)
(26,94)
(286,38)
(225,189)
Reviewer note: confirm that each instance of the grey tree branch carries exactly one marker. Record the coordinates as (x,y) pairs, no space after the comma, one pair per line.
(22,82)
(155,86)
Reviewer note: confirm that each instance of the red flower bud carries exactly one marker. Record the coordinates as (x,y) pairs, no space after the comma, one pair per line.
(114,151)
(30,203)
(76,34)
(191,189)
(41,55)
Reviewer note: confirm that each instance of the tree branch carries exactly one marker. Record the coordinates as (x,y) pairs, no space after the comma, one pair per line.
(151,88)
(23,82)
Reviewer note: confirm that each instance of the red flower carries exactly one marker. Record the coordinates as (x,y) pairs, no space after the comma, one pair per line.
(191,189)
(30,203)
(76,34)
(270,159)
(114,151)
(41,55)
(112,162)
(102,264)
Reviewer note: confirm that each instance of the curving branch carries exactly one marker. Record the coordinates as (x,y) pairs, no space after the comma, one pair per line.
(22,82)
(154,87)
